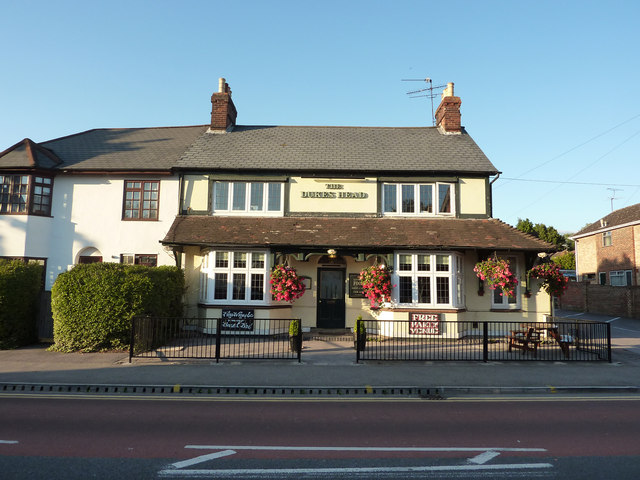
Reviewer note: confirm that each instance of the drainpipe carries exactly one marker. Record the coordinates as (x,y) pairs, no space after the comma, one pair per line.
(491,194)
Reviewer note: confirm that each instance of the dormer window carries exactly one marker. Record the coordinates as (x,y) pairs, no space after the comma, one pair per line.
(248,198)
(410,199)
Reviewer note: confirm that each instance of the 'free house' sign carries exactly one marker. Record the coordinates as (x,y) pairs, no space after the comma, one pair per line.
(424,323)
(334,191)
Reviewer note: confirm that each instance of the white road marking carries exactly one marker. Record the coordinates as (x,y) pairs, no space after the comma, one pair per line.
(9,442)
(614,319)
(484,457)
(300,471)
(364,449)
(202,458)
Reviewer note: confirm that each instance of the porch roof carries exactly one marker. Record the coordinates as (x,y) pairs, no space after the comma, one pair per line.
(366,234)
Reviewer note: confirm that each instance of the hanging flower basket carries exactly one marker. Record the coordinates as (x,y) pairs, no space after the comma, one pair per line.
(497,274)
(376,284)
(285,283)
(553,281)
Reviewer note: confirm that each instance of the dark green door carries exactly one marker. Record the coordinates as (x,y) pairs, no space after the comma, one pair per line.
(330,298)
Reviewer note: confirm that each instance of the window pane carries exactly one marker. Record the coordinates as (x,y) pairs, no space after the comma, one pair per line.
(239,285)
(220,291)
(390,198)
(257,260)
(426,198)
(628,278)
(444,198)
(407,199)
(442,290)
(221,198)
(405,290)
(239,195)
(257,286)
(240,260)
(275,192)
(404,263)
(424,263)
(222,259)
(424,290)
(257,194)
(442,263)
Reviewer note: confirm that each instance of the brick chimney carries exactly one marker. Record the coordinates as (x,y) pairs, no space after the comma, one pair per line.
(223,111)
(448,112)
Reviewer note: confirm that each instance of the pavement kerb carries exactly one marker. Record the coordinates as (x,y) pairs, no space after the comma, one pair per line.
(367,391)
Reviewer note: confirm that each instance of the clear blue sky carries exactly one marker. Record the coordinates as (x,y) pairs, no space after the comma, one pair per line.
(550,90)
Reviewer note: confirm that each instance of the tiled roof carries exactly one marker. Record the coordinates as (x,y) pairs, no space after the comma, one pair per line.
(28,154)
(365,233)
(124,148)
(337,149)
(619,217)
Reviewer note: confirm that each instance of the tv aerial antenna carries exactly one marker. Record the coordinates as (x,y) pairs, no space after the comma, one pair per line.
(425,92)
(613,195)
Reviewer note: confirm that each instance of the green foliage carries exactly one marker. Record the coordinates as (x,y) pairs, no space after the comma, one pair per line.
(543,232)
(294,328)
(567,260)
(20,285)
(360,327)
(93,304)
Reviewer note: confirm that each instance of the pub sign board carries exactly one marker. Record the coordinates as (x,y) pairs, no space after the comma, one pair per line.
(355,286)
(238,320)
(422,323)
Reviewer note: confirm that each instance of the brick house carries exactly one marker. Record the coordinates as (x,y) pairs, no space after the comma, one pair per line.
(608,250)
(227,202)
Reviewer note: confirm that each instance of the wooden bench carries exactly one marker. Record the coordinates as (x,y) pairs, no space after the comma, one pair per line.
(525,340)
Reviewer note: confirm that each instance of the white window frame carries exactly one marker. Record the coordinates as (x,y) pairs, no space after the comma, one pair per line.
(607,239)
(208,270)
(435,187)
(618,278)
(246,209)
(504,302)
(453,276)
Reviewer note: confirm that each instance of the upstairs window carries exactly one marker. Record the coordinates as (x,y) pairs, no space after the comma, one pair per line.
(25,194)
(417,199)
(141,198)
(247,198)
(606,239)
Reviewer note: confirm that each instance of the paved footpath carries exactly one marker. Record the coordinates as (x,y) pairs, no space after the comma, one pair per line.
(330,364)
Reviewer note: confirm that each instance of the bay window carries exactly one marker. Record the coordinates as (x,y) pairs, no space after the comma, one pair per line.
(247,198)
(25,194)
(428,279)
(417,198)
(234,277)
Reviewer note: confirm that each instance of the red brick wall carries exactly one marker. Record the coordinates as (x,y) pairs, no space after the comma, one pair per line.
(602,299)
(620,254)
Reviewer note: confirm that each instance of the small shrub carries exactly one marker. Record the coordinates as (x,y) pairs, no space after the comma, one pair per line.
(20,286)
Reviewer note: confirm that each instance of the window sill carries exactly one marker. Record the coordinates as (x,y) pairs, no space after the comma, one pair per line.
(505,310)
(435,309)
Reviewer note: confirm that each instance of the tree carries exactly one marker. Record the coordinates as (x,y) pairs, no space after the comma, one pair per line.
(566,260)
(543,232)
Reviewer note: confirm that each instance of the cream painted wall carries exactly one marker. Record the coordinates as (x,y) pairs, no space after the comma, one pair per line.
(473,196)
(333,195)
(195,192)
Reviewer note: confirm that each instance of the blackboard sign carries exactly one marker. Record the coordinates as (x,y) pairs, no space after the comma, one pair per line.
(355,286)
(237,320)
(422,323)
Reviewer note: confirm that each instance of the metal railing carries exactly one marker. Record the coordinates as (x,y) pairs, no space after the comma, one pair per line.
(556,340)
(214,338)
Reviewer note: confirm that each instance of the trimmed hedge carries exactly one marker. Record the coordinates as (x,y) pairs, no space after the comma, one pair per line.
(20,285)
(93,304)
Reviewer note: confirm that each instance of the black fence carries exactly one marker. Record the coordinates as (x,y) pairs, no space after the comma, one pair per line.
(215,338)
(556,340)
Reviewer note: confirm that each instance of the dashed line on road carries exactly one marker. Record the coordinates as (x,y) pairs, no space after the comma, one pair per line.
(9,442)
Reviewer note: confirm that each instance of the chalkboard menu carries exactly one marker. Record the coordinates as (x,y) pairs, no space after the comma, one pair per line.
(237,319)
(355,286)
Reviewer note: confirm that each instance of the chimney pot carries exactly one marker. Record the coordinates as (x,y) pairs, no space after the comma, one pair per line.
(448,112)
(221,85)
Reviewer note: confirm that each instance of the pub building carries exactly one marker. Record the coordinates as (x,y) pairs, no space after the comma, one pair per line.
(330,201)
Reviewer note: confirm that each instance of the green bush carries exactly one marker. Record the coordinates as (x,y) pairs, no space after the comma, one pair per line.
(93,304)
(20,285)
